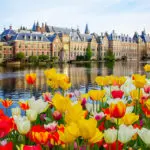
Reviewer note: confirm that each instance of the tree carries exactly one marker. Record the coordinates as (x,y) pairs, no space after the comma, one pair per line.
(109,55)
(43,58)
(20,56)
(33,59)
(88,54)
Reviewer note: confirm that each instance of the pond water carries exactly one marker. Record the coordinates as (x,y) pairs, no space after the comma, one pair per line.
(82,76)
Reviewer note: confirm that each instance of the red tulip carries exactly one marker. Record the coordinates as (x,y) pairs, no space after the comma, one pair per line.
(34,147)
(30,78)
(147,89)
(117,94)
(113,146)
(6,125)
(117,110)
(7,146)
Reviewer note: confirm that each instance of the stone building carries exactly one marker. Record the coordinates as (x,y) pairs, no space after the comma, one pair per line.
(55,46)
(67,43)
(31,44)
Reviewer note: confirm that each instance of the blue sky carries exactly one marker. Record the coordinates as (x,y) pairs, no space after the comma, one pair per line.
(124,16)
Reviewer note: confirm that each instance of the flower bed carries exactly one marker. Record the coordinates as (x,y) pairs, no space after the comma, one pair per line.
(114,116)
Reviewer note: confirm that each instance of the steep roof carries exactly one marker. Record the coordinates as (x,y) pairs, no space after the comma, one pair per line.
(58,29)
(30,37)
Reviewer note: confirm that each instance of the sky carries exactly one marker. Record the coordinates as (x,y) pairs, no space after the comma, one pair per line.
(123,16)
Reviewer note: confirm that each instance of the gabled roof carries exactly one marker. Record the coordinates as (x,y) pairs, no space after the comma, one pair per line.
(86,37)
(51,38)
(75,36)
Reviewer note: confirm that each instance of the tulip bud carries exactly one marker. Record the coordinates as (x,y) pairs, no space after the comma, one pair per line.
(42,117)
(31,114)
(57,115)
(147,89)
(16,111)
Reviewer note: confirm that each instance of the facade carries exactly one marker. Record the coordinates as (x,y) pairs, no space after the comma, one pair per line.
(6,51)
(67,43)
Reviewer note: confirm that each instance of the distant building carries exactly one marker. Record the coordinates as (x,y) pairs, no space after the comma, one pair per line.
(67,43)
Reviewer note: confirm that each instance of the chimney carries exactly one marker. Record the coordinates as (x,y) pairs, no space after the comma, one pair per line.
(10,27)
(4,29)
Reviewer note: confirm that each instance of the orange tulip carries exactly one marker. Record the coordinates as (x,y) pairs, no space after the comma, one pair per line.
(7,103)
(117,110)
(24,105)
(30,78)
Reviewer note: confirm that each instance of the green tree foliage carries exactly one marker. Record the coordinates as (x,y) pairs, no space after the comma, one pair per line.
(33,59)
(43,58)
(109,55)
(88,54)
(20,56)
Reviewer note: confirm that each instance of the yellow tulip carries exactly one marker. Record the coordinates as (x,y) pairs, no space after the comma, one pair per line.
(139,80)
(74,113)
(97,137)
(147,68)
(101,81)
(87,128)
(71,132)
(110,79)
(50,73)
(119,81)
(96,94)
(147,103)
(130,118)
(63,81)
(61,103)
(135,94)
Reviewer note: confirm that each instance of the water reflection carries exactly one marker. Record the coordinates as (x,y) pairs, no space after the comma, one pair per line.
(13,85)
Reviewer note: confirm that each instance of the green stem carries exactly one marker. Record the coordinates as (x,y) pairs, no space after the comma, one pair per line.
(117,146)
(102,103)
(96,106)
(93,106)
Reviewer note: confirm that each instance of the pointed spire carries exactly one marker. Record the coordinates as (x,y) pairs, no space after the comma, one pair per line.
(34,27)
(37,24)
(87,29)
(78,30)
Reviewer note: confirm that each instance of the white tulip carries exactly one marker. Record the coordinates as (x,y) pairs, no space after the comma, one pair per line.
(145,135)
(31,114)
(110,135)
(38,105)
(23,124)
(125,133)
(16,111)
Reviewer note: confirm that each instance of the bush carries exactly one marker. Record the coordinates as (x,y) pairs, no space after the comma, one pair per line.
(33,59)
(53,59)
(80,58)
(43,58)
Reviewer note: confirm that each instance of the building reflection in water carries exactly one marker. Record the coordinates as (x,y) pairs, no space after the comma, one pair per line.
(13,85)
